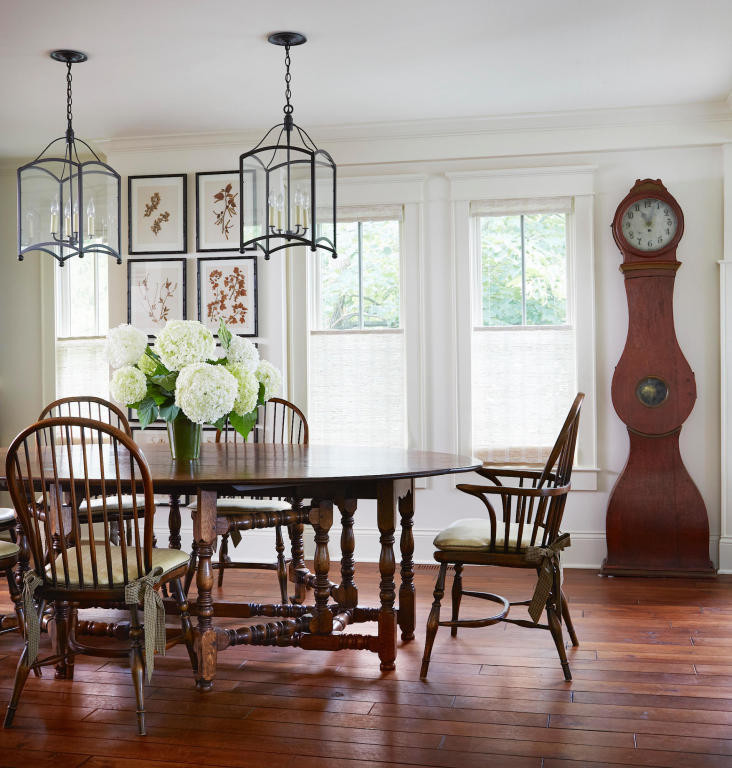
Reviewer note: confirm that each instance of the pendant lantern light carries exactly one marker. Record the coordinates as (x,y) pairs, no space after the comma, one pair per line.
(68,199)
(287,185)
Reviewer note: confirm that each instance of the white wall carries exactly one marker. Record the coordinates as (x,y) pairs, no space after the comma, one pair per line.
(685,154)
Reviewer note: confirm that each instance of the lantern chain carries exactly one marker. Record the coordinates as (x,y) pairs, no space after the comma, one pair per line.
(288,78)
(69,131)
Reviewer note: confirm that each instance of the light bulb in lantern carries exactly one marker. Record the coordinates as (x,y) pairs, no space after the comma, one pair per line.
(305,207)
(271,205)
(67,218)
(298,207)
(280,208)
(90,211)
(75,221)
(54,217)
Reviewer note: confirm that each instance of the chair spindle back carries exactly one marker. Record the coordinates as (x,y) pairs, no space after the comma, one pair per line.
(278,421)
(48,479)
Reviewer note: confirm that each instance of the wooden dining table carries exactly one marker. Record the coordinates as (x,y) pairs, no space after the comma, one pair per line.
(328,476)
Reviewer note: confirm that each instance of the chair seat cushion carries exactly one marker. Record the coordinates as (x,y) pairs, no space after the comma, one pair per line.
(7,515)
(8,550)
(167,559)
(473,534)
(97,505)
(227,506)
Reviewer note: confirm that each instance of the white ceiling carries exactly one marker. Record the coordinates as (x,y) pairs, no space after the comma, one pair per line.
(160,67)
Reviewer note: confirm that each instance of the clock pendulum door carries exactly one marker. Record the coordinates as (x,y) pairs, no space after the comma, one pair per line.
(656,520)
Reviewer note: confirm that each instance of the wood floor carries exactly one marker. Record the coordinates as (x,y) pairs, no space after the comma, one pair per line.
(652,687)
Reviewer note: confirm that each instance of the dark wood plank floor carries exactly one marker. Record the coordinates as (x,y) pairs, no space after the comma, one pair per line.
(652,687)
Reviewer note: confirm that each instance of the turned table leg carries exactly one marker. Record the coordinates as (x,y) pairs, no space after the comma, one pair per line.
(386,501)
(321,517)
(204,533)
(174,521)
(407,606)
(347,593)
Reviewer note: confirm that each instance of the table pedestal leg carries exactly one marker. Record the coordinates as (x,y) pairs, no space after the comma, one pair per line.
(298,569)
(321,516)
(204,532)
(386,501)
(407,606)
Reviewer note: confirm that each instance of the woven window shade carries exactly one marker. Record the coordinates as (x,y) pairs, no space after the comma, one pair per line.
(357,388)
(82,368)
(521,205)
(524,381)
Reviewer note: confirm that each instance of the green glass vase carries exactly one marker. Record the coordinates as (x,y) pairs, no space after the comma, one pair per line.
(185,438)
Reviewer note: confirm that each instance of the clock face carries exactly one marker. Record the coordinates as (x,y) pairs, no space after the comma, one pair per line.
(649,224)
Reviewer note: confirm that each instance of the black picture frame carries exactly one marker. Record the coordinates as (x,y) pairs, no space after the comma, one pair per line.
(203,244)
(135,243)
(252,327)
(132,318)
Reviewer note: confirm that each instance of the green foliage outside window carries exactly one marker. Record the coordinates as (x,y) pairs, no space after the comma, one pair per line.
(371,247)
(524,274)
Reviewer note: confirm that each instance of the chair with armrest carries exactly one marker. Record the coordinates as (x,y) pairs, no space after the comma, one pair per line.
(522,531)
(74,563)
(279,422)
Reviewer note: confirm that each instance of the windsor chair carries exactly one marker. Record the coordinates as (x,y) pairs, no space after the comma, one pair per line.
(74,563)
(281,422)
(522,532)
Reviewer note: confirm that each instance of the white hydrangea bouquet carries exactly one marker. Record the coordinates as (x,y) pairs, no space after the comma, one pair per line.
(183,382)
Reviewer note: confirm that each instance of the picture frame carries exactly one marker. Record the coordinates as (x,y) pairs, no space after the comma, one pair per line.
(157,214)
(156,293)
(227,287)
(218,210)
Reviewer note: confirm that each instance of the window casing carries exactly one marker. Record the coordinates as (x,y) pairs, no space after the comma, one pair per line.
(528,191)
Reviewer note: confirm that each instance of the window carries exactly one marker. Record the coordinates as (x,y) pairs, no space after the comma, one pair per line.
(81,327)
(356,377)
(524,371)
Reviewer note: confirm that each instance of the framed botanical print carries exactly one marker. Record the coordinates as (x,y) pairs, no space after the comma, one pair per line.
(156,293)
(157,214)
(218,209)
(227,288)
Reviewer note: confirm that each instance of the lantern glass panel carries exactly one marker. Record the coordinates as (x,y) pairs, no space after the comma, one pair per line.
(325,199)
(253,198)
(100,208)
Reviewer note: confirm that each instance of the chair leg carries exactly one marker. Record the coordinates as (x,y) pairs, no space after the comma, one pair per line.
(457,594)
(223,558)
(434,619)
(137,667)
(62,614)
(192,564)
(281,564)
(21,675)
(297,563)
(555,627)
(568,621)
(185,621)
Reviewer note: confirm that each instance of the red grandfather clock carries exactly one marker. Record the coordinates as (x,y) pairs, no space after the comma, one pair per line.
(657,523)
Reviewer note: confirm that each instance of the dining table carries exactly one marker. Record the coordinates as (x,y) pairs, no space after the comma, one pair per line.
(318,479)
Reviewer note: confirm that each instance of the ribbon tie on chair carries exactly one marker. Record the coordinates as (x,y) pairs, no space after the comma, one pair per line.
(550,579)
(143,590)
(31,582)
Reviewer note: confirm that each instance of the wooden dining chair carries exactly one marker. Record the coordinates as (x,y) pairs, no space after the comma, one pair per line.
(278,421)
(522,531)
(74,563)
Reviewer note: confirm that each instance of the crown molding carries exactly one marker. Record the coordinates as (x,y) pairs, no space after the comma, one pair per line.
(716,116)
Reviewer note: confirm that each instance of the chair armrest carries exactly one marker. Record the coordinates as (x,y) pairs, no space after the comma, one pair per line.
(511,490)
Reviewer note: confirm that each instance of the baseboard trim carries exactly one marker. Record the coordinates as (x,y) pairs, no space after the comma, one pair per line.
(588,549)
